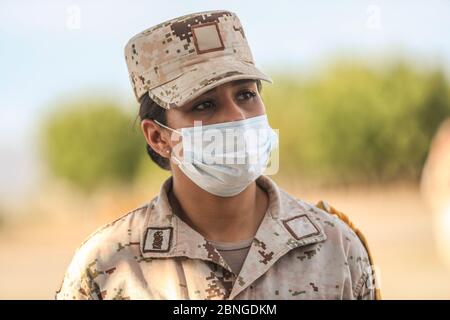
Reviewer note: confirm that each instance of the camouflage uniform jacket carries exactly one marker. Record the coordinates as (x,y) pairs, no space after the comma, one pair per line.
(299,252)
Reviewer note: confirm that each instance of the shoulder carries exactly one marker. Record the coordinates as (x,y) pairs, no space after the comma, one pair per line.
(119,229)
(336,225)
(104,247)
(340,232)
(345,241)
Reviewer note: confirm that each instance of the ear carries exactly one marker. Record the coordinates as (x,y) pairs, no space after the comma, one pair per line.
(156,137)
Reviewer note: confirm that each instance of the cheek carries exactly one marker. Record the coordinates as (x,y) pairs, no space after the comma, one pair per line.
(178,119)
(257,108)
(177,150)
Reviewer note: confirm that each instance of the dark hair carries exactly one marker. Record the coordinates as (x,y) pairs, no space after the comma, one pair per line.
(149,109)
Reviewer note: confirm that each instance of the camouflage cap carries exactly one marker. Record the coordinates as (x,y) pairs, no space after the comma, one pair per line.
(178,60)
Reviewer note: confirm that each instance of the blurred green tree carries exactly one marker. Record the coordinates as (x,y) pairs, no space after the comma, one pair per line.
(354,122)
(92,142)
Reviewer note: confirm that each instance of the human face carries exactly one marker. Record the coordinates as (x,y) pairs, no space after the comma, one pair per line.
(232,101)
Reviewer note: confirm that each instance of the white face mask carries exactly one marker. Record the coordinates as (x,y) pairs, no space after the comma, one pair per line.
(224,158)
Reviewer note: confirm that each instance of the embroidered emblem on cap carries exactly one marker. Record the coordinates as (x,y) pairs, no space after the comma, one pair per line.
(301,227)
(158,239)
(207,37)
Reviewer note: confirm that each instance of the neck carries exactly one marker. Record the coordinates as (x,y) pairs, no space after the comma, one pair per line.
(225,219)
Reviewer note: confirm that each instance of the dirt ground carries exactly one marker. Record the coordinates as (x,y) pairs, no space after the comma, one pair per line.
(397,224)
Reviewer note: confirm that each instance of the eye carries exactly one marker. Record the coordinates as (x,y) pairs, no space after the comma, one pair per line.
(246,95)
(203,106)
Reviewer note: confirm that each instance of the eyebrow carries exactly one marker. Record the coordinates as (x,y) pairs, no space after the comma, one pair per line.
(234,83)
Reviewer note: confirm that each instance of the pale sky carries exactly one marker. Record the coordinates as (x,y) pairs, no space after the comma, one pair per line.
(52,49)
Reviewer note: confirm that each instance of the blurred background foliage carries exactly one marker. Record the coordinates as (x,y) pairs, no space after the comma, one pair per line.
(91,143)
(357,123)
(350,123)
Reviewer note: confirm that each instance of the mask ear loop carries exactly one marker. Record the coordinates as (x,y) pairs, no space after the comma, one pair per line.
(164,126)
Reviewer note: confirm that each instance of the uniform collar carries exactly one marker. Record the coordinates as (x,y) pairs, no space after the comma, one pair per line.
(288,224)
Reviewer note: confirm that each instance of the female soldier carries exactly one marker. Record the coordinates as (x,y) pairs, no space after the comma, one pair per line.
(218,229)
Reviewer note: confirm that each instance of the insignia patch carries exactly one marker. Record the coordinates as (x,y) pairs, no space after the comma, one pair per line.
(301,227)
(207,37)
(158,239)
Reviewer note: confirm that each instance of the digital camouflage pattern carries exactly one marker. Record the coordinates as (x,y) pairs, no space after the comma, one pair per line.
(299,252)
(178,60)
